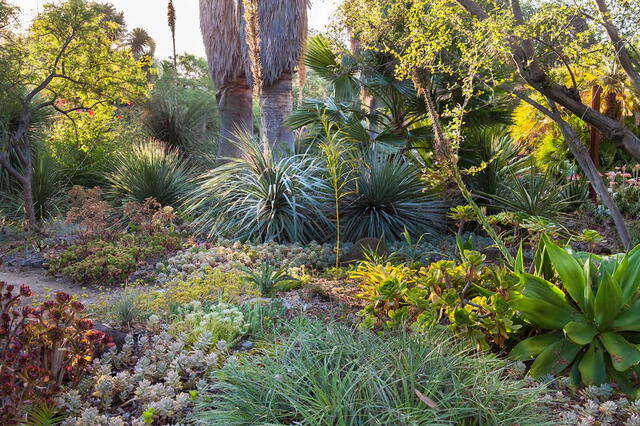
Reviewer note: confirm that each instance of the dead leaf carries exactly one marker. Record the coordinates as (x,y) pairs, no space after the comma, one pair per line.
(426,400)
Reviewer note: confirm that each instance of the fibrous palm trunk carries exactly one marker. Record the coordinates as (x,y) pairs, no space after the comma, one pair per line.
(220,25)
(234,103)
(277,104)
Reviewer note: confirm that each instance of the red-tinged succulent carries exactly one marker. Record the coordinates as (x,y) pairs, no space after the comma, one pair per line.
(40,348)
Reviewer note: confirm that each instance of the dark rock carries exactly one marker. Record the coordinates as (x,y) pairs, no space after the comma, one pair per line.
(34,262)
(362,246)
(117,336)
(246,345)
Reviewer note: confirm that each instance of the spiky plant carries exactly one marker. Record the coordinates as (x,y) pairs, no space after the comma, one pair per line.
(182,118)
(385,197)
(259,197)
(150,169)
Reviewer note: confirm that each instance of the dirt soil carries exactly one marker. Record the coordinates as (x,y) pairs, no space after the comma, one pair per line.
(43,284)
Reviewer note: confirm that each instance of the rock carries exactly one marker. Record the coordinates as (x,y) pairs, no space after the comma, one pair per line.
(246,345)
(362,246)
(117,336)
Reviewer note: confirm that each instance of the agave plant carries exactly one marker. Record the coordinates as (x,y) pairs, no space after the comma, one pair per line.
(592,315)
(150,170)
(259,197)
(267,278)
(386,197)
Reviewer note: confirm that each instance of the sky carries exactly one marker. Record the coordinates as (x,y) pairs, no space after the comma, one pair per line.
(152,16)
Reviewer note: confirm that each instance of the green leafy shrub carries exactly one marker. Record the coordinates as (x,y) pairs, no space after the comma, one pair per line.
(592,315)
(468,296)
(319,373)
(110,261)
(150,170)
(219,321)
(385,197)
(263,198)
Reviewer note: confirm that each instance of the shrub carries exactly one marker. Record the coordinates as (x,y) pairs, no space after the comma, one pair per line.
(110,261)
(150,170)
(592,315)
(469,296)
(41,348)
(262,198)
(386,197)
(322,373)
(89,211)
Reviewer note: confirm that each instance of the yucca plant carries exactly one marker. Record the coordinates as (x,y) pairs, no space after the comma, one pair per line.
(387,196)
(592,315)
(150,170)
(259,197)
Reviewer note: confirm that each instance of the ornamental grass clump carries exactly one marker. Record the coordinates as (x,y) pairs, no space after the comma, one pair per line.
(316,373)
(589,307)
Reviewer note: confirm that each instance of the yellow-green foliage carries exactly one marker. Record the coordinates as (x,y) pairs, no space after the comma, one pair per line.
(469,296)
(209,323)
(211,285)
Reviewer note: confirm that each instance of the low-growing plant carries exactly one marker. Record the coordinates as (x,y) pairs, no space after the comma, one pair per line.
(207,285)
(469,296)
(590,306)
(268,279)
(215,321)
(110,261)
(318,373)
(41,348)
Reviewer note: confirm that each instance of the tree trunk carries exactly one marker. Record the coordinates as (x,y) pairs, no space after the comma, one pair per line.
(594,145)
(277,104)
(236,115)
(29,207)
(584,160)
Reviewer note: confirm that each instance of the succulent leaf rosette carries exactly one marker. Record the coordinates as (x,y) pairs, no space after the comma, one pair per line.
(590,306)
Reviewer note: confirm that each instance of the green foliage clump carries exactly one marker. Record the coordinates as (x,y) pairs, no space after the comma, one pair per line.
(318,373)
(386,197)
(150,170)
(110,261)
(469,296)
(209,285)
(268,279)
(591,313)
(215,322)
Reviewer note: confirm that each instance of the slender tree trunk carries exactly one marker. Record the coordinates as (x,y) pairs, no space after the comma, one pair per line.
(236,115)
(594,145)
(581,155)
(29,207)
(277,104)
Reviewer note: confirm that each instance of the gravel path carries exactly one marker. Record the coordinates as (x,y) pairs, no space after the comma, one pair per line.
(43,284)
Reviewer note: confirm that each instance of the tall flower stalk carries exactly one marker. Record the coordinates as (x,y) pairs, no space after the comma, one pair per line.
(336,157)
(171,20)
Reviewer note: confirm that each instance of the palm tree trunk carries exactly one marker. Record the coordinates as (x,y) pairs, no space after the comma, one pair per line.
(277,104)
(236,115)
